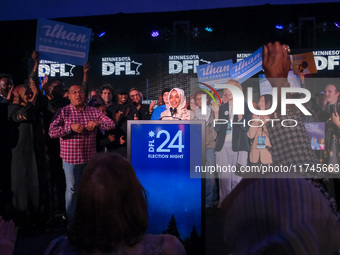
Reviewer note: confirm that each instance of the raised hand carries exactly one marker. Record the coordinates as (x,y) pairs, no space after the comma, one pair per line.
(275,60)
(216,109)
(35,56)
(121,140)
(10,89)
(118,114)
(152,104)
(86,67)
(335,119)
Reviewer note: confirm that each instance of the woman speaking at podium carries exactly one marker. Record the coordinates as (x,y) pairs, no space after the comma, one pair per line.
(177,109)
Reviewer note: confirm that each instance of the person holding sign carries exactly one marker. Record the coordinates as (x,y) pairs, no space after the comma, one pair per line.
(259,153)
(177,110)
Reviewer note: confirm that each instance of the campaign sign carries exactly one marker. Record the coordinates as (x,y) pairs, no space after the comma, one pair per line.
(213,73)
(316,134)
(61,42)
(162,153)
(304,63)
(265,86)
(247,67)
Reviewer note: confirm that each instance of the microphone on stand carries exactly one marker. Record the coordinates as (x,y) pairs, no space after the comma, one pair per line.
(173,111)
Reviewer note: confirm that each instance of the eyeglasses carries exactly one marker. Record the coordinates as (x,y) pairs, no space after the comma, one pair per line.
(135,95)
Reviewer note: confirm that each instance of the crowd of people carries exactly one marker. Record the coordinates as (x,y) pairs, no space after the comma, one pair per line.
(51,139)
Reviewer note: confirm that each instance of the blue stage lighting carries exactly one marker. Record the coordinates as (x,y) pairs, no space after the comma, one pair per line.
(101,34)
(279,27)
(208,29)
(154,33)
(337,24)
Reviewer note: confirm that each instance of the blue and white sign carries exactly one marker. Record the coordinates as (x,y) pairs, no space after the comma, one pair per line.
(162,154)
(213,73)
(265,86)
(61,42)
(247,67)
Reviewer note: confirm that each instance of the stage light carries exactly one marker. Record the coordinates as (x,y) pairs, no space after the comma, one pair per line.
(291,28)
(101,34)
(195,32)
(154,33)
(280,27)
(208,29)
(337,24)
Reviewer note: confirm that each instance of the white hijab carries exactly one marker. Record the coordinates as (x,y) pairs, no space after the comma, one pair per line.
(181,96)
(181,109)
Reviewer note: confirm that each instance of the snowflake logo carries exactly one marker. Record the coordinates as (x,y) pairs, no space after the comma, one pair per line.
(151,134)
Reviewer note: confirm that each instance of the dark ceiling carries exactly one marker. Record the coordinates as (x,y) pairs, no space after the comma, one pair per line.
(306,26)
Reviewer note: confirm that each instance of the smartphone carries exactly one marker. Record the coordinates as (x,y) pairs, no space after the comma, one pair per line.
(334,111)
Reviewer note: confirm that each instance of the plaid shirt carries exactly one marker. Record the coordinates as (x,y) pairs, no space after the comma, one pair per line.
(77,148)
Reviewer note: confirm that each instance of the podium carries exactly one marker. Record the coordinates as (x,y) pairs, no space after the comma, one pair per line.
(165,154)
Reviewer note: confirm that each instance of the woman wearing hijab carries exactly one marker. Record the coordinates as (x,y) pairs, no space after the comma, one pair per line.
(177,110)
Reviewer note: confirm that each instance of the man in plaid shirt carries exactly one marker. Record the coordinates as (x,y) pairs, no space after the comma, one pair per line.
(76,125)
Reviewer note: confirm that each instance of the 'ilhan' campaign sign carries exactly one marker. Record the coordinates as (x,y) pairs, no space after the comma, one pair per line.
(62,42)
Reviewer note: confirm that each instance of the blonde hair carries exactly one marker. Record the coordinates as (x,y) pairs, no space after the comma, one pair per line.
(235,83)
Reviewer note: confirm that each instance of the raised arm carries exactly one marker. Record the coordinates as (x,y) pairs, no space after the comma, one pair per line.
(34,74)
(276,63)
(86,69)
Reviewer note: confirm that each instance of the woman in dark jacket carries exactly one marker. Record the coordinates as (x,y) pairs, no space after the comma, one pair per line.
(29,188)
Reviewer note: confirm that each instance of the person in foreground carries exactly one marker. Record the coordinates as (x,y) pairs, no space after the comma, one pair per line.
(111,214)
(8,236)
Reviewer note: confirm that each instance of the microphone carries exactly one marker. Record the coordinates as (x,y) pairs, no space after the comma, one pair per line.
(173,111)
